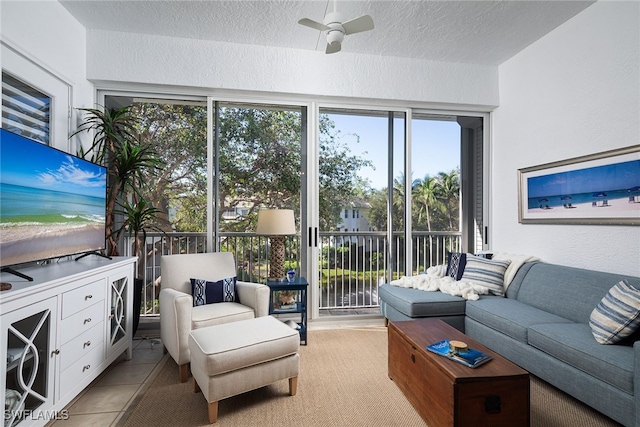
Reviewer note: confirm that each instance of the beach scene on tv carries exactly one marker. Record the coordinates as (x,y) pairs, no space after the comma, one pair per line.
(595,191)
(51,204)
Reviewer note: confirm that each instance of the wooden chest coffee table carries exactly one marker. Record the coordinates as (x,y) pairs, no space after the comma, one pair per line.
(447,393)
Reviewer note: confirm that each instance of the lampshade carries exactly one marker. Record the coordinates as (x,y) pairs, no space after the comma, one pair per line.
(276,222)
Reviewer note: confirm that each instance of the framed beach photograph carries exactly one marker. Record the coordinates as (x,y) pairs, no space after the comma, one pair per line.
(602,188)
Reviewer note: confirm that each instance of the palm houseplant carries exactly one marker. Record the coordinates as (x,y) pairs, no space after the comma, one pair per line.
(116,144)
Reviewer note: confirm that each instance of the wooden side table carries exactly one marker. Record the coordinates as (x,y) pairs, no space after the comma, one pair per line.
(300,285)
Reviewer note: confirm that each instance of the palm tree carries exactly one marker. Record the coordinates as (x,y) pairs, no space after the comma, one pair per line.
(449,193)
(398,199)
(116,144)
(425,192)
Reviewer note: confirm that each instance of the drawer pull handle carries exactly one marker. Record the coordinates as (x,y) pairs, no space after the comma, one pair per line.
(87,320)
(413,358)
(88,297)
(55,352)
(85,367)
(87,344)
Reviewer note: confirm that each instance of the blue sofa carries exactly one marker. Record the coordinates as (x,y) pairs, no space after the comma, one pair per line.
(542,325)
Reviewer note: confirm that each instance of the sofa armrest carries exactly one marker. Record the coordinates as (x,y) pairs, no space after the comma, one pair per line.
(175,323)
(254,295)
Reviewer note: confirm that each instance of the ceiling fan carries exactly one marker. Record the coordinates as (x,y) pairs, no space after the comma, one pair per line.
(335,27)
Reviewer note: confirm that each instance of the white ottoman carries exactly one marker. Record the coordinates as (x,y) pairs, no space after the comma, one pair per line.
(236,357)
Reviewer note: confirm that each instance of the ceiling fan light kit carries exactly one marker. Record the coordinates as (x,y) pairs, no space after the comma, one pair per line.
(336,28)
(335,37)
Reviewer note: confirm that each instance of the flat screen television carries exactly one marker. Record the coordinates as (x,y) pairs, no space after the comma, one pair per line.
(52,204)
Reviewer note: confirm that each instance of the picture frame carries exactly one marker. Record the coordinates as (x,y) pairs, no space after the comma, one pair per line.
(601,188)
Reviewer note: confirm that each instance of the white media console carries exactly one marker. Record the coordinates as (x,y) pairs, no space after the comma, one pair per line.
(60,331)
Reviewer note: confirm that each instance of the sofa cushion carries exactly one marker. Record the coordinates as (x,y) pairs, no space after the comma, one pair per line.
(509,316)
(208,292)
(486,272)
(417,303)
(617,316)
(572,343)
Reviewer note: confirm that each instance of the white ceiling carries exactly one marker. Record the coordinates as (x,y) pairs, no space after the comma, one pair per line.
(479,32)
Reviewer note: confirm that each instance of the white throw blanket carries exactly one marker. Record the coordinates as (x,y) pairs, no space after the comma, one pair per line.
(436,280)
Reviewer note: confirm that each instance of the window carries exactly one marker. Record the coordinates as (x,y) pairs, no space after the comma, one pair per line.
(25,110)
(40,96)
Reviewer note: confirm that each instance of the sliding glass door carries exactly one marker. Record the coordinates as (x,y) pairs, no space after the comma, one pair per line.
(360,169)
(256,152)
(376,193)
(392,199)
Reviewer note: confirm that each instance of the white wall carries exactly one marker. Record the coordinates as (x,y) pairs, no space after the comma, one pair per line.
(125,57)
(572,93)
(44,33)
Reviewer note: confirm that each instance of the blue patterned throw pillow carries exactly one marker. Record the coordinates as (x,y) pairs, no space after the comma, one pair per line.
(487,273)
(455,264)
(206,292)
(617,315)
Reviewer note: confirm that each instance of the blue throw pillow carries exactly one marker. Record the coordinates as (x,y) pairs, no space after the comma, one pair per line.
(455,264)
(617,316)
(206,292)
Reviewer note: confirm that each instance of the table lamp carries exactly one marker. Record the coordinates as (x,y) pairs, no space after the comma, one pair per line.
(276,223)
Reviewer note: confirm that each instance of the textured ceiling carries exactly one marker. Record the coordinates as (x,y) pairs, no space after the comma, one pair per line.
(479,32)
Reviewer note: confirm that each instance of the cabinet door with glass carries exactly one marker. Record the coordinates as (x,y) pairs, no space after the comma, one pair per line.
(28,346)
(120,311)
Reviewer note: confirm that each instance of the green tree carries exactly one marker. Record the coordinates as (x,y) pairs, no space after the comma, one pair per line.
(179,190)
(259,160)
(259,164)
(377,213)
(425,197)
(339,180)
(449,195)
(435,203)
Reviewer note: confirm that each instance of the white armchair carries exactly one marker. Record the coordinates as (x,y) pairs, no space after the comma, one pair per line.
(177,314)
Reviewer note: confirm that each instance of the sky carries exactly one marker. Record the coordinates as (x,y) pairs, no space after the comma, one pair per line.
(32,164)
(618,176)
(436,146)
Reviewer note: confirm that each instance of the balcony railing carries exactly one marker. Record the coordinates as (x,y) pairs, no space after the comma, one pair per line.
(352,265)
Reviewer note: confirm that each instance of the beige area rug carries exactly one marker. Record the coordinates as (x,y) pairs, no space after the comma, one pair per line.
(343,382)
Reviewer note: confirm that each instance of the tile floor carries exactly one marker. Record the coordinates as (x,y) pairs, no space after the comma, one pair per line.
(106,401)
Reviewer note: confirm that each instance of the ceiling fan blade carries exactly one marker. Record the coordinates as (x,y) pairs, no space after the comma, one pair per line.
(313,24)
(333,48)
(357,25)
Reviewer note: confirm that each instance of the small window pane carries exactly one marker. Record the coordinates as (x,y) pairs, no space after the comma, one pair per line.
(25,110)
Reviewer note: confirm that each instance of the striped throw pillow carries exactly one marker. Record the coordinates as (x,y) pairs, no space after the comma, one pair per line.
(486,272)
(618,314)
